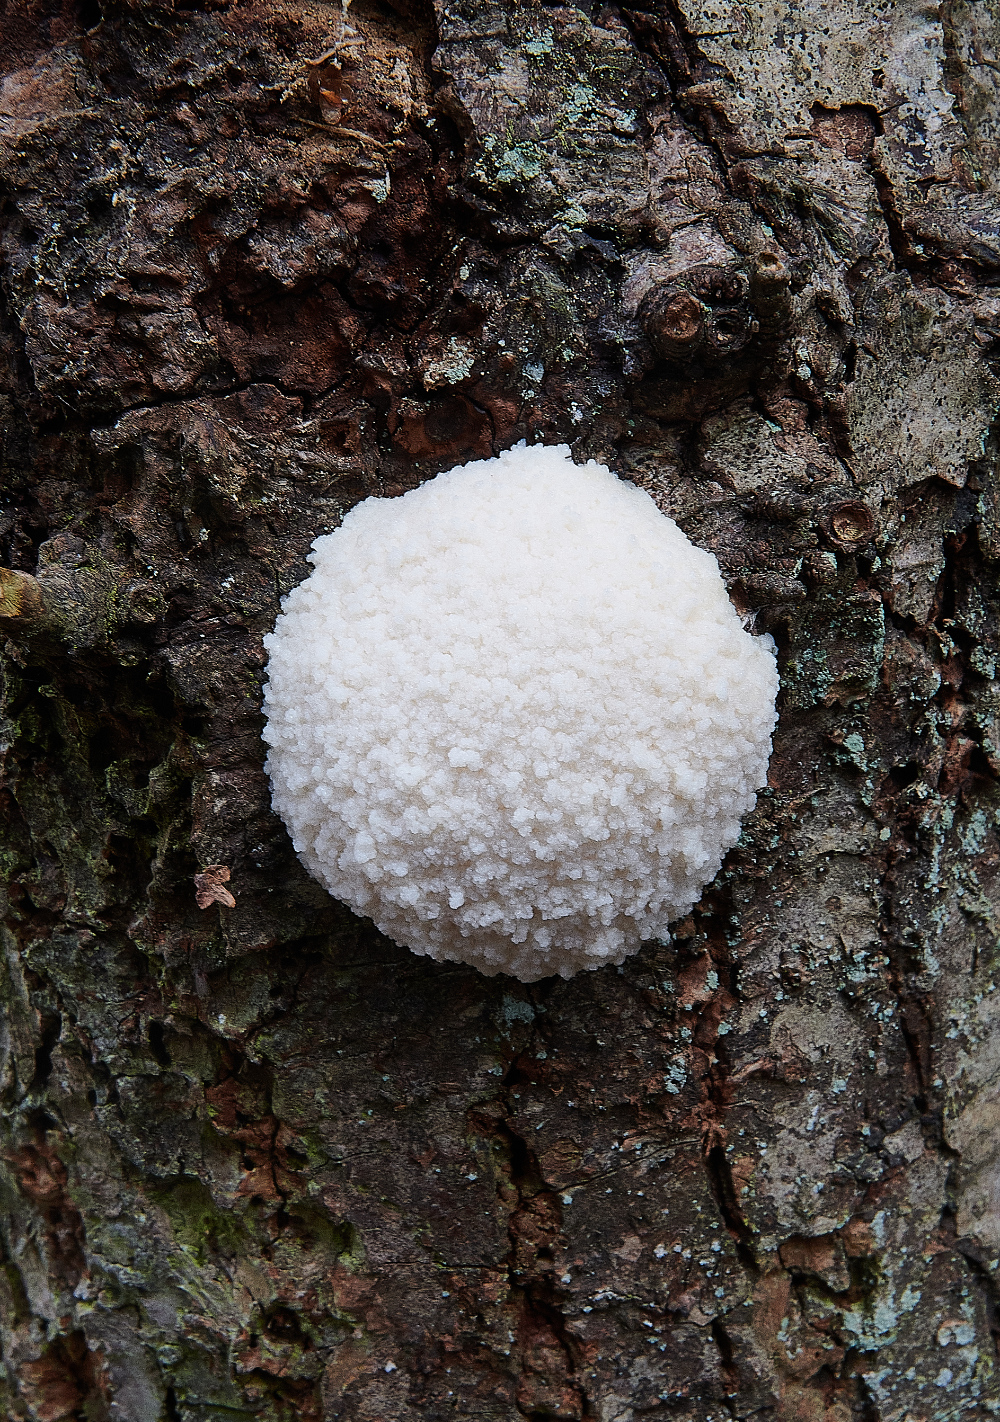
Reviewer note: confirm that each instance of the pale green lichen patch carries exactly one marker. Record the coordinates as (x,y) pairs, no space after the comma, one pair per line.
(556,107)
(837,647)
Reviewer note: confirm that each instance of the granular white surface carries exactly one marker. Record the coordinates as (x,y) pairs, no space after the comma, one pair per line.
(513,716)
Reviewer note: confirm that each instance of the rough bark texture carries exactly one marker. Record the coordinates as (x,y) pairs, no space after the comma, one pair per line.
(259,1162)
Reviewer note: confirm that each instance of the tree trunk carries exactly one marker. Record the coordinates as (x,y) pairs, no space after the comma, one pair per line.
(261,261)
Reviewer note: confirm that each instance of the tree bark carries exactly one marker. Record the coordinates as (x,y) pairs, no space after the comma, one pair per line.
(260,261)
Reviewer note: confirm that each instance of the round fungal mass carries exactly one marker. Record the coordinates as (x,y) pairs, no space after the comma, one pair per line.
(513,716)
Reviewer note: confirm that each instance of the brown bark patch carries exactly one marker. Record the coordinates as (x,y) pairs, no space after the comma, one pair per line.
(68,1378)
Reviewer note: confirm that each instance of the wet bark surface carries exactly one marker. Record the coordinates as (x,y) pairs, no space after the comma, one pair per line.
(260,261)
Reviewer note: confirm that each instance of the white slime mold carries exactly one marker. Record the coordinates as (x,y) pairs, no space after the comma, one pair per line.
(513,716)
